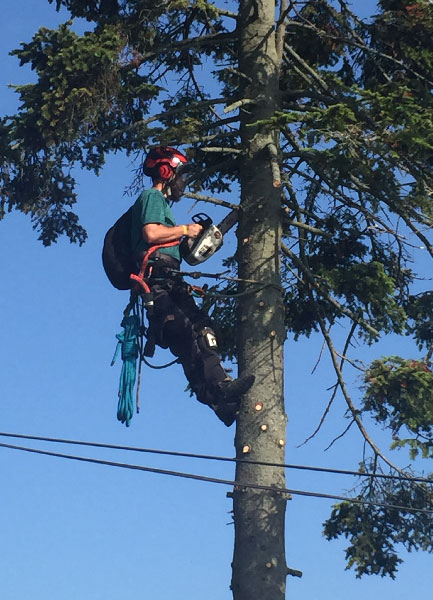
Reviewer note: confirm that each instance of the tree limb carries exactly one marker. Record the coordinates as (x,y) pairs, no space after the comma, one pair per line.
(211,39)
(276,173)
(211,199)
(351,406)
(198,90)
(238,104)
(157,117)
(314,75)
(342,434)
(358,44)
(280,28)
(221,149)
(310,277)
(310,228)
(225,13)
(334,393)
(198,139)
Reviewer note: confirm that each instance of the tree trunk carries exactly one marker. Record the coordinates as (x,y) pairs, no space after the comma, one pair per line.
(259,565)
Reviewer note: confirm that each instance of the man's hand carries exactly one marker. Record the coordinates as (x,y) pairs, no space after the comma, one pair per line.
(193,230)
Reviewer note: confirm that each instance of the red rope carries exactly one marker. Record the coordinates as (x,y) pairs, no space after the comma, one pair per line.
(140,278)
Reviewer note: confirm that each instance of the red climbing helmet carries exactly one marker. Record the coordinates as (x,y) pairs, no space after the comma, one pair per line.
(163,163)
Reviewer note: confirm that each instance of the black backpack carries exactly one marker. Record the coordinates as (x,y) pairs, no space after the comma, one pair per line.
(117,252)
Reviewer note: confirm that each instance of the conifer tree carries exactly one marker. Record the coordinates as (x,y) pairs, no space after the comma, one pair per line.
(326,122)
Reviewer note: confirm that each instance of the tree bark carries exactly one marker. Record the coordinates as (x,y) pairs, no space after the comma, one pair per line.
(259,565)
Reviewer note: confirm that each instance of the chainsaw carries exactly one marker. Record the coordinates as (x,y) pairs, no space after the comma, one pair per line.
(196,250)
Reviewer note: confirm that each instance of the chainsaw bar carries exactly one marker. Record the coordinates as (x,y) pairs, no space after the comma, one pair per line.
(229,221)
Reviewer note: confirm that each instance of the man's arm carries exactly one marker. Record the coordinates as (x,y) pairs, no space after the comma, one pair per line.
(156,233)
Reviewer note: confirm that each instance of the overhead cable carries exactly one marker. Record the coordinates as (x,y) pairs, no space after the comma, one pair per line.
(218,458)
(238,485)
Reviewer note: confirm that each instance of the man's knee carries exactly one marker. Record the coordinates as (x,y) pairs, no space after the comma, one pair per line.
(207,336)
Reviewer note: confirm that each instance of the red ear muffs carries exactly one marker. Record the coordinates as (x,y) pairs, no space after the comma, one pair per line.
(165,172)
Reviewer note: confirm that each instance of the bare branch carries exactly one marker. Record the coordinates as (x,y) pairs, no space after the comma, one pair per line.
(414,229)
(238,104)
(238,73)
(318,359)
(280,28)
(310,228)
(342,434)
(211,200)
(198,90)
(351,406)
(225,13)
(314,75)
(276,173)
(334,392)
(220,149)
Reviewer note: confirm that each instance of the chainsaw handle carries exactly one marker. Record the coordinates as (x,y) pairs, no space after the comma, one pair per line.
(202,219)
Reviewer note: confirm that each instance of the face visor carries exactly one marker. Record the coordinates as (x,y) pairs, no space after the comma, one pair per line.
(176,186)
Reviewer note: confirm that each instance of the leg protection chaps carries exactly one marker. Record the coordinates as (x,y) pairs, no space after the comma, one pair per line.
(179,324)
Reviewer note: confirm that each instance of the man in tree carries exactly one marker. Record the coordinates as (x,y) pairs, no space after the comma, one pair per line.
(177,322)
(328,129)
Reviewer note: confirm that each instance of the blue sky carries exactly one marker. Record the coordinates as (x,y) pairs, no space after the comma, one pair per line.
(73,530)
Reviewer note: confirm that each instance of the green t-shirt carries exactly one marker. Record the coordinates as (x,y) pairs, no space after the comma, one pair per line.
(151,207)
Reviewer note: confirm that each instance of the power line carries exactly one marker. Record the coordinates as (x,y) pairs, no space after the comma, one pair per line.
(218,458)
(236,484)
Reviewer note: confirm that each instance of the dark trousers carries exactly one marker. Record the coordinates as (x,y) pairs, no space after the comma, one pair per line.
(178,323)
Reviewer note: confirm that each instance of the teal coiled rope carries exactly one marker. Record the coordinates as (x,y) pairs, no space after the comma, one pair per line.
(128,344)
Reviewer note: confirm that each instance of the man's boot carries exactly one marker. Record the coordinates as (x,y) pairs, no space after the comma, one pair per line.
(228,397)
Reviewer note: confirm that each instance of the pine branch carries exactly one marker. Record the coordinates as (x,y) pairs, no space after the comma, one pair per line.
(212,39)
(226,121)
(337,193)
(167,113)
(320,290)
(343,198)
(301,62)
(200,139)
(361,45)
(306,93)
(218,165)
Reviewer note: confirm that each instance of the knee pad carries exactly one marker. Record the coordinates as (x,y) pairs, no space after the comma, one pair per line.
(209,337)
